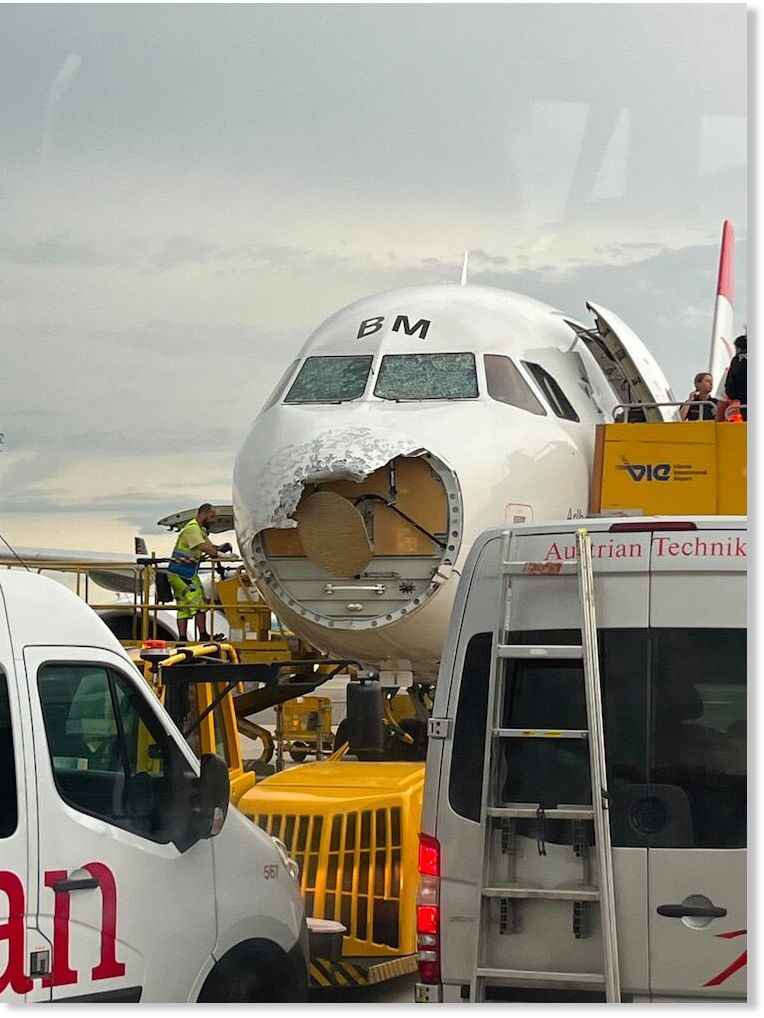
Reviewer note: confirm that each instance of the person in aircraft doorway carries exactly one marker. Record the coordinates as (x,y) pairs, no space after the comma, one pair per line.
(193,542)
(700,405)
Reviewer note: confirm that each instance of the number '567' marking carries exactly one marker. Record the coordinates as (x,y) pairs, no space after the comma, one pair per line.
(271,872)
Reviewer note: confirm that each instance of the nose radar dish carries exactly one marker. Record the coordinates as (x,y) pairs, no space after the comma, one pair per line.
(332,533)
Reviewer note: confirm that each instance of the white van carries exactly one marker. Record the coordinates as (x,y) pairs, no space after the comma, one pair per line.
(671,615)
(111,885)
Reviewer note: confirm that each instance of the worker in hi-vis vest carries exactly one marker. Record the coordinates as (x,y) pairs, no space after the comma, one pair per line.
(183,572)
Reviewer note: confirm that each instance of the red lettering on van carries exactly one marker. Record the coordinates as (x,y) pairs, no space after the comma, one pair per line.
(61,973)
(740,962)
(108,967)
(13,931)
(728,547)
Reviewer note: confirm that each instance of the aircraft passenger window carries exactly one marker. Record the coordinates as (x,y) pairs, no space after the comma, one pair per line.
(276,394)
(330,380)
(557,399)
(427,376)
(699,729)
(108,752)
(507,385)
(8,794)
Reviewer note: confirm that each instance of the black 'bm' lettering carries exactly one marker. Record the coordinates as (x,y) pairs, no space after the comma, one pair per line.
(369,326)
(402,322)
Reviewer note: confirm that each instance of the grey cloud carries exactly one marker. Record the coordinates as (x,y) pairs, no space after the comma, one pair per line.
(488,259)
(141,511)
(181,249)
(59,251)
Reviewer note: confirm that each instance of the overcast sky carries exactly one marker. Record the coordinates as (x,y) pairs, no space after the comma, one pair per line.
(188,191)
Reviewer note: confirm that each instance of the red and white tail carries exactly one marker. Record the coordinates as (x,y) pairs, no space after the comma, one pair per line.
(721,332)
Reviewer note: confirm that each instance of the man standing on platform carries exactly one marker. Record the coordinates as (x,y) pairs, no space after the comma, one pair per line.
(192,544)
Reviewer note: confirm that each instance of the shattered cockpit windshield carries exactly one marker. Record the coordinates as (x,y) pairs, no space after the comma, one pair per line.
(427,376)
(330,380)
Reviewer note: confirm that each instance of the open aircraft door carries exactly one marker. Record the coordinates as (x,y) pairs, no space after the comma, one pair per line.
(631,369)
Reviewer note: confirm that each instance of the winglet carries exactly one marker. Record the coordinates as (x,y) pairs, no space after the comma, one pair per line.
(721,332)
(463,280)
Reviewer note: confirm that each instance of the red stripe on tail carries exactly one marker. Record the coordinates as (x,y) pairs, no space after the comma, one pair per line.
(724,282)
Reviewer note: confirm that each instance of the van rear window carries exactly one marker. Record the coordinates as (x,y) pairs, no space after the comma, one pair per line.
(674,705)
(466,780)
(698,729)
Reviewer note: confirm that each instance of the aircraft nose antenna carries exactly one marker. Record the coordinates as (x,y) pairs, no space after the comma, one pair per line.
(333,534)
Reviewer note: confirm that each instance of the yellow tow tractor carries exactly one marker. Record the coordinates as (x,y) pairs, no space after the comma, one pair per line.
(351,825)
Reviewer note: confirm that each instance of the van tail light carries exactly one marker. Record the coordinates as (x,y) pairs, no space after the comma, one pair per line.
(428,910)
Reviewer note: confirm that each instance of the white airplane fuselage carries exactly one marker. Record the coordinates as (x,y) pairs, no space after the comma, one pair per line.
(412,459)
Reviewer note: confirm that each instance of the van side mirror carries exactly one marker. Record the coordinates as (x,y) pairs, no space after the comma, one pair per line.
(213,790)
(199,805)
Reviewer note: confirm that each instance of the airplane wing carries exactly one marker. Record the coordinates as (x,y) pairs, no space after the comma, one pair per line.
(721,332)
(118,575)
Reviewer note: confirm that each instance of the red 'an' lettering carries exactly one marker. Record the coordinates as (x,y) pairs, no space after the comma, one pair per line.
(61,974)
(108,967)
(13,931)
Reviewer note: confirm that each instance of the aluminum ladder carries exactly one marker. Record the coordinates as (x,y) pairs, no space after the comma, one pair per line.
(490,810)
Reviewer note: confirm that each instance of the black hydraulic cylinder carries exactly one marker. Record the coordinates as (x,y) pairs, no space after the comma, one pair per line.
(364,713)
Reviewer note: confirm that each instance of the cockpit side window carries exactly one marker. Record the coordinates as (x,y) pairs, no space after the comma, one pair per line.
(279,388)
(330,380)
(550,387)
(419,376)
(506,385)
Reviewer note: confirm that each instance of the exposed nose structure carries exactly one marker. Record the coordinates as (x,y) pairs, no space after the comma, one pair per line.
(352,531)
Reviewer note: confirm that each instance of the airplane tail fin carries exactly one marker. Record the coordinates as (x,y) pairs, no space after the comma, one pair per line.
(721,332)
(140,547)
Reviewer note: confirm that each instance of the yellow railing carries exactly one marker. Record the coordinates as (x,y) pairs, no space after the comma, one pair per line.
(135,586)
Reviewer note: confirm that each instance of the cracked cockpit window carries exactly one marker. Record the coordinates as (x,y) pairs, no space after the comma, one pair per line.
(427,376)
(330,380)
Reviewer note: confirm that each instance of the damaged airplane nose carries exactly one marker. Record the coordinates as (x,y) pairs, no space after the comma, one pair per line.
(351,532)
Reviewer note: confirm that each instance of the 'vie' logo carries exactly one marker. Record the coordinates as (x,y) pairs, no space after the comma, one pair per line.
(647,471)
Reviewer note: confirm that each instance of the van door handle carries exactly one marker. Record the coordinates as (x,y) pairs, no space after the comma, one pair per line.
(691,911)
(82,884)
